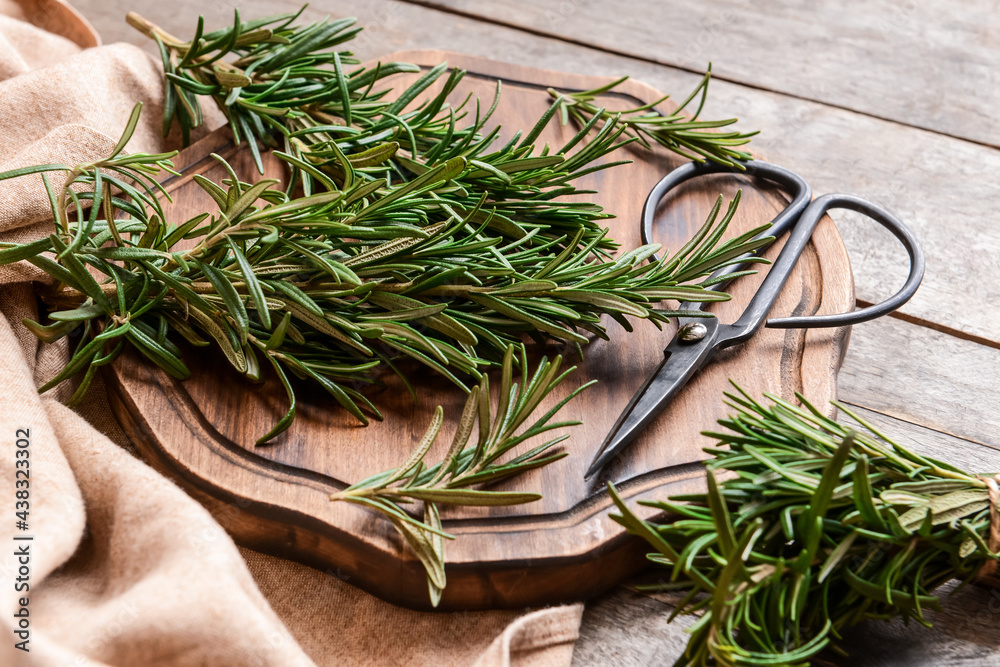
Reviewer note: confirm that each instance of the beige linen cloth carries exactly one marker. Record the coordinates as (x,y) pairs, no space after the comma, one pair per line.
(127,569)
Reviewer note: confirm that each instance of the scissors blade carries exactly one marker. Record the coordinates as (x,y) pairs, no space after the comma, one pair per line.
(681,361)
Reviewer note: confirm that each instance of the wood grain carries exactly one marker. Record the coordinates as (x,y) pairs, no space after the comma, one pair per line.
(879,58)
(918,374)
(967,454)
(564,547)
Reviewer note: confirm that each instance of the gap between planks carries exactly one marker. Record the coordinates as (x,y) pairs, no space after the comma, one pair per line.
(924,377)
(936,326)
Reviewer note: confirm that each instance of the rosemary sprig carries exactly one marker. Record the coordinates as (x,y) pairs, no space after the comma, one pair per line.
(449,482)
(288,85)
(815,527)
(327,287)
(687,136)
(401,232)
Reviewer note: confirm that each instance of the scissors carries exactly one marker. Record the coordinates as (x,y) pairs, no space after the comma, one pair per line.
(698,339)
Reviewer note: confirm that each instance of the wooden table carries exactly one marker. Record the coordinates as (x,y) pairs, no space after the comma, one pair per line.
(893,101)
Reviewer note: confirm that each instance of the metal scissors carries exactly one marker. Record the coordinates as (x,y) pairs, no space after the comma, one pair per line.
(698,339)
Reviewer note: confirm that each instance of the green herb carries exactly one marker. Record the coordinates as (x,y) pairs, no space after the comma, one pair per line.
(329,286)
(449,482)
(685,135)
(288,86)
(401,233)
(413,236)
(815,527)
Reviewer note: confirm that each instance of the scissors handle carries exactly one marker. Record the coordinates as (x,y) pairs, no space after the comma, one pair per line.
(758,308)
(812,215)
(791,182)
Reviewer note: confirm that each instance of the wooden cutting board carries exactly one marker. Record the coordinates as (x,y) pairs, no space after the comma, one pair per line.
(274,498)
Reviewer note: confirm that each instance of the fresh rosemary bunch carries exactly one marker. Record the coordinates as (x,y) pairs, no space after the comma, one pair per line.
(327,287)
(449,481)
(401,232)
(815,527)
(414,229)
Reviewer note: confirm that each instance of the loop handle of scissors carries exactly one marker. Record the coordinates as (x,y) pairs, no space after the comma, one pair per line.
(760,305)
(799,218)
(790,182)
(809,220)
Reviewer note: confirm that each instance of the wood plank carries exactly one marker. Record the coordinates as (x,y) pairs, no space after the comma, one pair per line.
(928,64)
(626,628)
(923,376)
(934,183)
(629,628)
(967,454)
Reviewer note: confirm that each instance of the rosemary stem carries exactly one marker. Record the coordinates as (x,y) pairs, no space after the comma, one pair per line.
(68,297)
(152,31)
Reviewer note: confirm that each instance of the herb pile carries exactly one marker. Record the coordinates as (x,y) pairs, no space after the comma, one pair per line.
(816,527)
(408,238)
(289,86)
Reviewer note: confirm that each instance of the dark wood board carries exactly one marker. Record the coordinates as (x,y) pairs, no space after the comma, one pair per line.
(275,498)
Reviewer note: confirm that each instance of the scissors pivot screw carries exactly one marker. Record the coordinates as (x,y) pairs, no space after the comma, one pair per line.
(692,332)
